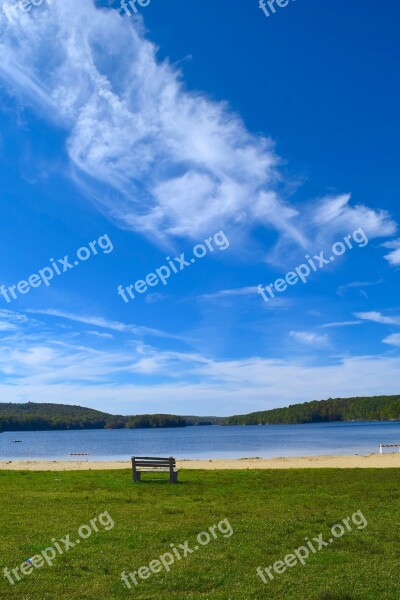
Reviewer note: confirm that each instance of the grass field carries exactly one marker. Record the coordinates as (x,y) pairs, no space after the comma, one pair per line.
(271,512)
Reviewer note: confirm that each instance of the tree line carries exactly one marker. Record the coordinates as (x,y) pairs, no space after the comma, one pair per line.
(41,417)
(372,408)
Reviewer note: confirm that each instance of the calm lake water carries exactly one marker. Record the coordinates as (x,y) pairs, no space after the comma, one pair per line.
(203,442)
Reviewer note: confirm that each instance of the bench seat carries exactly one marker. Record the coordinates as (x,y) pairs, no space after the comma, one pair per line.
(154,464)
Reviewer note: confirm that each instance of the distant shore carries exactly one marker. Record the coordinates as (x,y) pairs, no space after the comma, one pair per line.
(370,461)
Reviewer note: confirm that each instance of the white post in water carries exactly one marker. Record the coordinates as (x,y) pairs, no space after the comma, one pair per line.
(380,449)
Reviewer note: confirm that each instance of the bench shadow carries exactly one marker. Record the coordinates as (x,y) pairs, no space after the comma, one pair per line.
(334,596)
(155,481)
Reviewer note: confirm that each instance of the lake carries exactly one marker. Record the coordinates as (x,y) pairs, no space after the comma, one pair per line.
(203,442)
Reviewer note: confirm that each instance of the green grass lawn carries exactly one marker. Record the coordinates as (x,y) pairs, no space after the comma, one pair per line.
(271,512)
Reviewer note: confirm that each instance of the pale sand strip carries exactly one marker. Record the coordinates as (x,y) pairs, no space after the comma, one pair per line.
(308,462)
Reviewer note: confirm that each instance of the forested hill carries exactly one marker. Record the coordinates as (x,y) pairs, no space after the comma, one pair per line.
(373,408)
(36,416)
(39,417)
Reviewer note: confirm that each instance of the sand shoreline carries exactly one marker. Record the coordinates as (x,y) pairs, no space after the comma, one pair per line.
(370,461)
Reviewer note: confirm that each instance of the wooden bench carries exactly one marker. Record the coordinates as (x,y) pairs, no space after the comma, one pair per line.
(153,464)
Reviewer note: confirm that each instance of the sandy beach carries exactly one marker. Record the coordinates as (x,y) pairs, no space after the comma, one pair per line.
(370,461)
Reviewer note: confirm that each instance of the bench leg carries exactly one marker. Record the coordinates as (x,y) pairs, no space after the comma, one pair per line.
(173,477)
(136,476)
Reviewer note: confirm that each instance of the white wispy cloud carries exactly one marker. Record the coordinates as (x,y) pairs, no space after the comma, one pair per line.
(12,318)
(244,291)
(393,340)
(101,322)
(100,334)
(327,220)
(356,284)
(309,338)
(393,257)
(341,324)
(7,326)
(175,162)
(377,317)
(339,215)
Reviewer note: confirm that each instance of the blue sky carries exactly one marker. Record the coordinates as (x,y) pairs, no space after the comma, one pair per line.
(158,132)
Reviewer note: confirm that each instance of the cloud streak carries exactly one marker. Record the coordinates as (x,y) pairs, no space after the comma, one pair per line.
(174,161)
(309,338)
(377,317)
(177,161)
(101,322)
(393,257)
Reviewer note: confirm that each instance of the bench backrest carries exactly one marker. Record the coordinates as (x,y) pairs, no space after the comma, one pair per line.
(154,462)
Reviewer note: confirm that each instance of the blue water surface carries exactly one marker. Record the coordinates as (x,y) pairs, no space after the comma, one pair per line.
(203,442)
